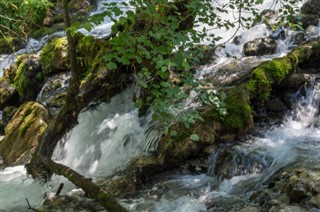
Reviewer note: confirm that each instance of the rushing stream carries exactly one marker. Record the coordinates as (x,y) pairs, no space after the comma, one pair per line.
(110,134)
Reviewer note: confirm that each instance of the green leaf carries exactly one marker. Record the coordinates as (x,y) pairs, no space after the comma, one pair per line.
(111,66)
(194,137)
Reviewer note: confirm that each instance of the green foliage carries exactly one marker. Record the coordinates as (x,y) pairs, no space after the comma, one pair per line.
(21,16)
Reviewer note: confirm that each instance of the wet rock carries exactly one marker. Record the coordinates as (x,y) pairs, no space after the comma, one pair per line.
(315,201)
(295,80)
(262,198)
(54,91)
(311,7)
(276,106)
(22,133)
(8,93)
(309,20)
(217,202)
(249,209)
(298,38)
(7,113)
(227,162)
(310,13)
(298,188)
(259,47)
(29,78)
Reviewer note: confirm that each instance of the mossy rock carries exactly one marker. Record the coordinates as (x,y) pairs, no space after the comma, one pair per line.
(8,93)
(29,78)
(239,118)
(54,56)
(10,44)
(23,132)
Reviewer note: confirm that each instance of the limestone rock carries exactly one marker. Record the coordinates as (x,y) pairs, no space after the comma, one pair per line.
(22,133)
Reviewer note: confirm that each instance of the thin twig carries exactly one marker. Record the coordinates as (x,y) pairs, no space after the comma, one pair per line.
(30,208)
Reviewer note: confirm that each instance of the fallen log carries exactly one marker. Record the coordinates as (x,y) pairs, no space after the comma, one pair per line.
(89,187)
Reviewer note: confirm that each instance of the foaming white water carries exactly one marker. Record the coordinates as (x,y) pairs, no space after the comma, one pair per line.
(106,138)
(16,187)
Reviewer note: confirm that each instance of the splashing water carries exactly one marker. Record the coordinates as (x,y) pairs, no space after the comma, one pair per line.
(107,137)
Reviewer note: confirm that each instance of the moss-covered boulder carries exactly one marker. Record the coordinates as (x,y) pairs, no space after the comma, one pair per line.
(29,78)
(54,56)
(8,93)
(22,133)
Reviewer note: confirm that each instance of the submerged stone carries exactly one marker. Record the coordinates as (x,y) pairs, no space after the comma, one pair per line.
(259,47)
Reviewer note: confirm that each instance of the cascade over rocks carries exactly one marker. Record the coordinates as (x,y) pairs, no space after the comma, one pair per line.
(259,47)
(257,86)
(22,133)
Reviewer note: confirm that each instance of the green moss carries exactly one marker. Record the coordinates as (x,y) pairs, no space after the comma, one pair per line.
(239,116)
(29,78)
(54,56)
(25,127)
(260,84)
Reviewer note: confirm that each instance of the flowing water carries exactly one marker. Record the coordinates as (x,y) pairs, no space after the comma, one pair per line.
(110,134)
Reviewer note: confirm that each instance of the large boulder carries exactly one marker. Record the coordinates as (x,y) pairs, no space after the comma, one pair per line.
(259,47)
(54,56)
(310,12)
(23,132)
(311,7)
(29,78)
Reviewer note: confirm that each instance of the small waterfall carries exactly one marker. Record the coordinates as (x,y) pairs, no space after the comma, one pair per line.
(107,137)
